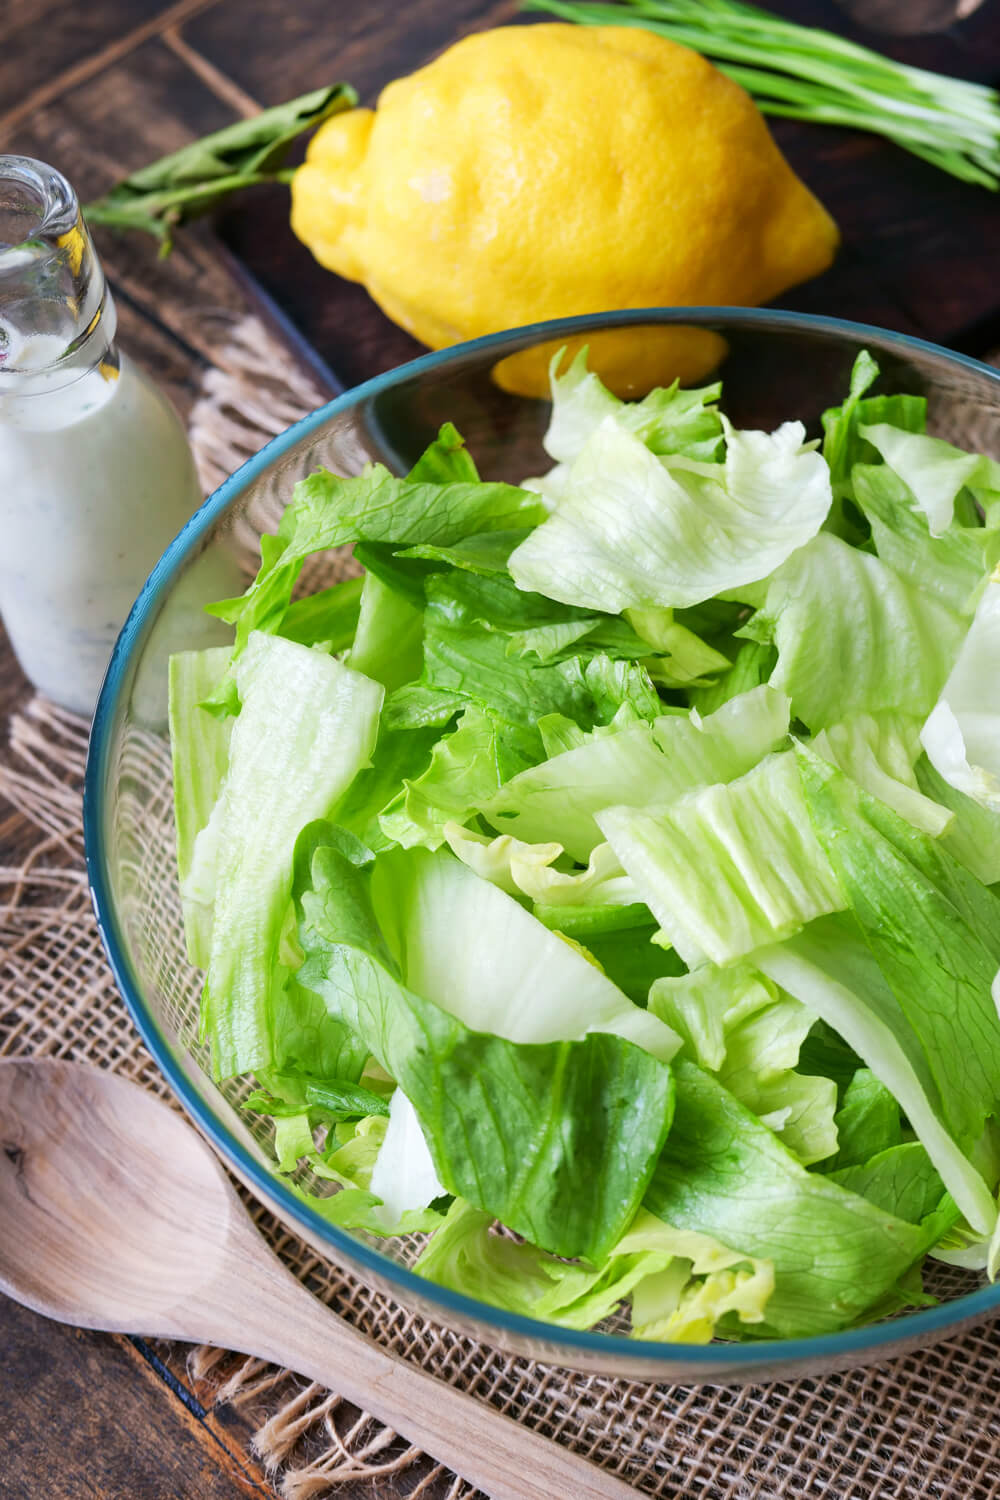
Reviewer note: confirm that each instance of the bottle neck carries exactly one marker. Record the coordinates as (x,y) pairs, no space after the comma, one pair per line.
(57,317)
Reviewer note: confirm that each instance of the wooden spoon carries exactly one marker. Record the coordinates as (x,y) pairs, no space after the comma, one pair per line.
(114,1214)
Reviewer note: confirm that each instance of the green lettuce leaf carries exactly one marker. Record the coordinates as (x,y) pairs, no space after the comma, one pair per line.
(680,1284)
(329,511)
(843,444)
(736,1024)
(867,1122)
(400,757)
(568,1131)
(329,618)
(685,659)
(751,667)
(830,968)
(466,769)
(633,530)
(388,643)
(962,732)
(881,646)
(973,836)
(950,567)
(641,764)
(306,727)
(725,1174)
(934,931)
(199,748)
(464,659)
(934,471)
(668,420)
(902,1181)
(730,867)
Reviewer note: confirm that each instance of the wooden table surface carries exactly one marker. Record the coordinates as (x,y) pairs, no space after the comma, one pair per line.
(102,87)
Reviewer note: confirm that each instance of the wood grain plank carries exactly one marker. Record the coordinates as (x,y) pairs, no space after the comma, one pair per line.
(275,50)
(83,1415)
(41,41)
(53,83)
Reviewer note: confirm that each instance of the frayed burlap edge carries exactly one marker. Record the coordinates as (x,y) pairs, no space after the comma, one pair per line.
(923,1425)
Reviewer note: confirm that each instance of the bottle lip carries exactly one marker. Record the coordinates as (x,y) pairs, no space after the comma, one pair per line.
(57,316)
(37,194)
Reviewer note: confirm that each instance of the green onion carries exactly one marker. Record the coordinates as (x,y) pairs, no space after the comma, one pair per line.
(807,74)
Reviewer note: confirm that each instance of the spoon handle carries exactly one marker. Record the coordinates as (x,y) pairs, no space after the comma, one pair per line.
(264,1311)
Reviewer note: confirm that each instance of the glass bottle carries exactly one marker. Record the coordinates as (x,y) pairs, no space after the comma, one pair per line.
(96,475)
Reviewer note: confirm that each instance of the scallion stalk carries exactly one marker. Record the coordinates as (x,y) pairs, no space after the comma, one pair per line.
(804,73)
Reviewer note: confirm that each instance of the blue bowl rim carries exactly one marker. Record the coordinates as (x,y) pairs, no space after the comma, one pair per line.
(729,1359)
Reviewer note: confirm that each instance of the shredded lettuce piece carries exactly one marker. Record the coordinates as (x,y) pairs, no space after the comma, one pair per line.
(199,744)
(526,870)
(934,471)
(853,636)
(680,1284)
(668,420)
(640,765)
(306,727)
(962,732)
(723,1173)
(736,1024)
(951,567)
(568,1131)
(879,752)
(729,868)
(634,530)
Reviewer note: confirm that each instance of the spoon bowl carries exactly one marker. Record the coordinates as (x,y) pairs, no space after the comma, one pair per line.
(114,1214)
(117,1202)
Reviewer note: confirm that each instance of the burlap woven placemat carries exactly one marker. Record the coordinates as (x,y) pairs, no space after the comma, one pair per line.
(924,1425)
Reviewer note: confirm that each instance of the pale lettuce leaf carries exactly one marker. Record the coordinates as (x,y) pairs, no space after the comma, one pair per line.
(736,1024)
(522,869)
(668,420)
(633,530)
(477,953)
(879,752)
(199,748)
(934,471)
(403,1177)
(730,867)
(306,727)
(641,765)
(680,1284)
(962,732)
(852,636)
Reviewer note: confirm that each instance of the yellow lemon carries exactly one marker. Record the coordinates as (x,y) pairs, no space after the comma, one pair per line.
(535,172)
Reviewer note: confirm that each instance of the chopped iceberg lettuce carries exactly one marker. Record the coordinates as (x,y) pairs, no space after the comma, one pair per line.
(634,530)
(601,885)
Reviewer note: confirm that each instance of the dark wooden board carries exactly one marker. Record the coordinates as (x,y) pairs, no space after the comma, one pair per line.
(87,1397)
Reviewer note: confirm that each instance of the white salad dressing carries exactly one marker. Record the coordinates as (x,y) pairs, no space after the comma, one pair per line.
(96,476)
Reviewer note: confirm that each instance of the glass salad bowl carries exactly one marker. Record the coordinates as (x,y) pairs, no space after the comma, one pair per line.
(775,366)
